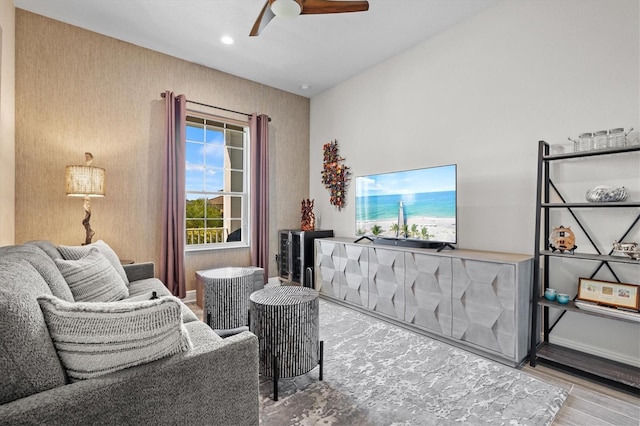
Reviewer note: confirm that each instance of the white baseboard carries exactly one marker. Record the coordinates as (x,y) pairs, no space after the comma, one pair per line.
(630,360)
(190,297)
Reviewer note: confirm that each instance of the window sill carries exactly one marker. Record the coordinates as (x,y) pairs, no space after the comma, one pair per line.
(207,247)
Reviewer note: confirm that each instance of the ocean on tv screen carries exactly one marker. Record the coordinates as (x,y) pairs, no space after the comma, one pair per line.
(427,216)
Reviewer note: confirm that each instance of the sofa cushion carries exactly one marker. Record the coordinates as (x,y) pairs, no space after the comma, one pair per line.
(93,339)
(48,247)
(148,285)
(92,278)
(147,295)
(28,359)
(77,252)
(43,264)
(201,334)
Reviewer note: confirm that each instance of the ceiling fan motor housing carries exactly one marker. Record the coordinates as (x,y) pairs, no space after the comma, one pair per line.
(286,8)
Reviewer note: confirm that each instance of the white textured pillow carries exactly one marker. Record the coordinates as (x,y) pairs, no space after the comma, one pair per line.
(93,339)
(78,252)
(92,278)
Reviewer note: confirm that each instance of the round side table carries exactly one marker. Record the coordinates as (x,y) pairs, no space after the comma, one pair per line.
(286,319)
(226,296)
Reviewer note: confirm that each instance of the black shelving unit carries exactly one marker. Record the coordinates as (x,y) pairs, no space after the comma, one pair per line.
(612,372)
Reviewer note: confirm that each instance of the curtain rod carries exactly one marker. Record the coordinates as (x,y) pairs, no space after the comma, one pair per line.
(162,95)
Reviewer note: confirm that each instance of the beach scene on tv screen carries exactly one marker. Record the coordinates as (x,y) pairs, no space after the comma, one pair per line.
(415,204)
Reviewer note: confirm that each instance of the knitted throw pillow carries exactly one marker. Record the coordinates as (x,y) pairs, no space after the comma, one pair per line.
(78,252)
(93,339)
(92,278)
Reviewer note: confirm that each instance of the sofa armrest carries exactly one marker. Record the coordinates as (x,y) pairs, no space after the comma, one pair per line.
(215,383)
(139,271)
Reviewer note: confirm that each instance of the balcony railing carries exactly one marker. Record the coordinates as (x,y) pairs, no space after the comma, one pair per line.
(206,236)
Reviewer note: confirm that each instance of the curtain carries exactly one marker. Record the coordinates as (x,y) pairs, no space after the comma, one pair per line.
(259,128)
(172,270)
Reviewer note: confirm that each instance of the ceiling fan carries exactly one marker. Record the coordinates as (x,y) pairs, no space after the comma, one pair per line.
(290,8)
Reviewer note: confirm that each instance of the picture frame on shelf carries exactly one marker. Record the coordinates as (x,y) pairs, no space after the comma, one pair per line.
(608,293)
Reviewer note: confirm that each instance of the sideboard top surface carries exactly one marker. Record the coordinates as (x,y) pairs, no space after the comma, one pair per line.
(486,256)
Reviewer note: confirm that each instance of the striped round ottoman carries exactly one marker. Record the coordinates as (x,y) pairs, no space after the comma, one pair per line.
(226,296)
(285,319)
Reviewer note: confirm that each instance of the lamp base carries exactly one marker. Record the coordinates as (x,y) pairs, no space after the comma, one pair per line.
(85,221)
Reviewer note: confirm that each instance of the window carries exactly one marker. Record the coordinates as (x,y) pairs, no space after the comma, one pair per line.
(216,183)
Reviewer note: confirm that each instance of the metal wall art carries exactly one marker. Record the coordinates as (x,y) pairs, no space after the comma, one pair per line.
(335,175)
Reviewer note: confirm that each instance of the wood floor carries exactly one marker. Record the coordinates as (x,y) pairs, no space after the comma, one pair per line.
(588,404)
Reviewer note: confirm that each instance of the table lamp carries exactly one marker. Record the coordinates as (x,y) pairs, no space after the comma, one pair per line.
(85,181)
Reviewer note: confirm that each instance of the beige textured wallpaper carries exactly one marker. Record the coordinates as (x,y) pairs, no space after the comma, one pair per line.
(7,122)
(79,91)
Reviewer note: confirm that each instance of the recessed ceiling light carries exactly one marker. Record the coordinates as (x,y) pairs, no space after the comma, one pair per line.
(305,86)
(226,39)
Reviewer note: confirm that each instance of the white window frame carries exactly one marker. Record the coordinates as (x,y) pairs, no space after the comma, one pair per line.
(244,195)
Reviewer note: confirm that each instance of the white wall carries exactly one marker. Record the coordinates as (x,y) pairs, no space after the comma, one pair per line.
(481,95)
(7,122)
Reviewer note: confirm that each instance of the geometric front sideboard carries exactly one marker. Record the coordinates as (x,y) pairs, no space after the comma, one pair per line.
(476,300)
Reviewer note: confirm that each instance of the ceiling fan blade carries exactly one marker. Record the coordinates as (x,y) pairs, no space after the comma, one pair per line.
(310,7)
(266,15)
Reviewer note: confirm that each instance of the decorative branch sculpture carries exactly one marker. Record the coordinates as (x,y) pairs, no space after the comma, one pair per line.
(88,160)
(85,222)
(308,218)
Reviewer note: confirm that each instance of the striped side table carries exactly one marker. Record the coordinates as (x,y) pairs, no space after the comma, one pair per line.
(286,319)
(226,296)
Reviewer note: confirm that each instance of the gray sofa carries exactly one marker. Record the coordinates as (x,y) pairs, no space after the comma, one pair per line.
(214,382)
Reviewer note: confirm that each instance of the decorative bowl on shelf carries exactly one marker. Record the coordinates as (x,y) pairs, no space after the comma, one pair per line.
(550,294)
(606,194)
(627,249)
(563,299)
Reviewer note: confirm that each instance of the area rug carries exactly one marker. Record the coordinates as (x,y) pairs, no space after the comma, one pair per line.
(376,373)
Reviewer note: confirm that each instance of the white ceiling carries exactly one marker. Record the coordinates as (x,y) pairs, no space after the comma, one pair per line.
(319,50)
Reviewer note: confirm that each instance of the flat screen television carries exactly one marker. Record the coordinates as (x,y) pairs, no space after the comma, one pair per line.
(415,208)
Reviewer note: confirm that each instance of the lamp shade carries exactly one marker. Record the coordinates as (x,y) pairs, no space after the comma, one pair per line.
(84,181)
